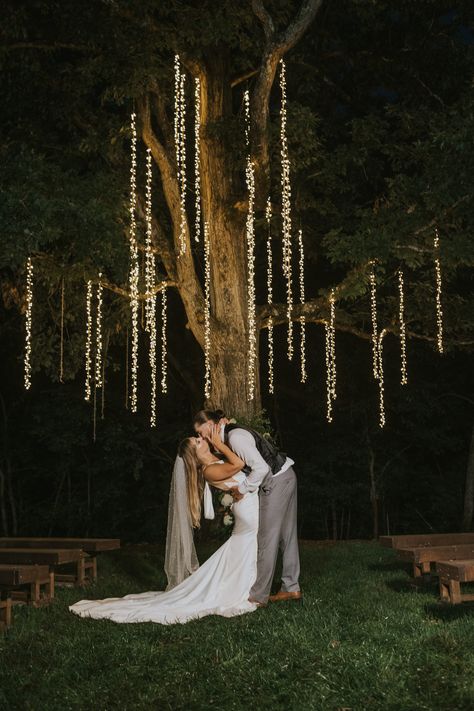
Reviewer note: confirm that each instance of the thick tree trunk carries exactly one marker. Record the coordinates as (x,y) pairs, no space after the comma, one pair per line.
(469,488)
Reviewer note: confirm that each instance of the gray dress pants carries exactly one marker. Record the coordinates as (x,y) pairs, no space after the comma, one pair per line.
(277,530)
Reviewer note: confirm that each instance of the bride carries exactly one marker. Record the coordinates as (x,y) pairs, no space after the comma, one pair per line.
(221,585)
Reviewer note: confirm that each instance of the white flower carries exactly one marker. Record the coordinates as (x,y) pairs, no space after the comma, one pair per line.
(228,520)
(227,500)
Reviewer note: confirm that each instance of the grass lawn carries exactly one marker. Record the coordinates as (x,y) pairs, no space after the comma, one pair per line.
(364,639)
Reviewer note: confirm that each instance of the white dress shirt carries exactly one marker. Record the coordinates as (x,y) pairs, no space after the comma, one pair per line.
(243,444)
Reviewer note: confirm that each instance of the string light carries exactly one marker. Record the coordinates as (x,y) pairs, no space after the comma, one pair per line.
(164,319)
(28,322)
(134,264)
(329,398)
(304,374)
(268,217)
(381,379)
(98,336)
(149,255)
(332,343)
(152,360)
(197,158)
(373,308)
(61,348)
(286,209)
(180,146)
(250,238)
(207,313)
(330,334)
(403,355)
(439,310)
(87,396)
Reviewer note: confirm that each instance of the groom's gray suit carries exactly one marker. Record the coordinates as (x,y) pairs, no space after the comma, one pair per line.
(278,507)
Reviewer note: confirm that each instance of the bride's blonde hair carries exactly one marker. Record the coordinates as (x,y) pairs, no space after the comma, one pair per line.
(194,479)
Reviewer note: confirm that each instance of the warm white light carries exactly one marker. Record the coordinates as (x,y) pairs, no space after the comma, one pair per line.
(207,313)
(164,320)
(403,351)
(250,238)
(439,310)
(286,210)
(381,379)
(180,145)
(98,336)
(373,308)
(304,374)
(268,217)
(330,333)
(28,322)
(134,264)
(197,158)
(87,395)
(150,302)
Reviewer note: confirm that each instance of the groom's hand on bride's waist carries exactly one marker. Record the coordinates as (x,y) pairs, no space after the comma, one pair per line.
(236,494)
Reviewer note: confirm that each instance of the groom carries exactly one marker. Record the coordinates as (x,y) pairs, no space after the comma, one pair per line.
(272,473)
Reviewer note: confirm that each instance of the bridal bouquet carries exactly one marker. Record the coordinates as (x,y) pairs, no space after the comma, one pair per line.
(226,502)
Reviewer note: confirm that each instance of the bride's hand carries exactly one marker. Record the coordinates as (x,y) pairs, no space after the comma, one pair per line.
(214,437)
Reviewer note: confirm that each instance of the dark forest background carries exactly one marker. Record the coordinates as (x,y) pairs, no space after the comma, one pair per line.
(381,129)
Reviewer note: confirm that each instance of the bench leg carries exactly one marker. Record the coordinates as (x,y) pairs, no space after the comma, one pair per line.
(34,596)
(454,592)
(81,572)
(50,586)
(426,568)
(94,569)
(444,590)
(5,613)
(416,571)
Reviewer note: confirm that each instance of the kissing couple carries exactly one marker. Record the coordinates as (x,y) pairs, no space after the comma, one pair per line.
(238,577)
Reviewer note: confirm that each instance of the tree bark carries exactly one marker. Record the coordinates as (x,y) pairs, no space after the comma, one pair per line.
(469,488)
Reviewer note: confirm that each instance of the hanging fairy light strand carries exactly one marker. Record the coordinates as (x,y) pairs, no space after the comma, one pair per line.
(28,322)
(61,344)
(197,158)
(330,339)
(149,254)
(87,395)
(373,310)
(439,309)
(164,320)
(304,375)
(286,209)
(250,238)
(98,336)
(134,265)
(332,343)
(268,217)
(402,326)
(180,146)
(207,313)
(381,378)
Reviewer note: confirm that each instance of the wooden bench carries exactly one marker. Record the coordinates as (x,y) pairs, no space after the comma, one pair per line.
(426,539)
(5,612)
(54,558)
(451,575)
(422,558)
(91,546)
(33,584)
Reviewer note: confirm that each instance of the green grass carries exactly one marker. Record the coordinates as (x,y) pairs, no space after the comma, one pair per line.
(364,639)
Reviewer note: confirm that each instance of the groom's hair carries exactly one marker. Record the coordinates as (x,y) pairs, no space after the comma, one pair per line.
(205,415)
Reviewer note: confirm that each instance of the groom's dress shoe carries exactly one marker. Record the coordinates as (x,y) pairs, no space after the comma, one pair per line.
(283,596)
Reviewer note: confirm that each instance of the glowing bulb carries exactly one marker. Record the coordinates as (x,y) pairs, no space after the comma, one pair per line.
(439,310)
(286,210)
(332,343)
(87,396)
(373,308)
(250,237)
(28,322)
(207,313)
(304,374)
(164,319)
(134,264)
(180,146)
(268,217)
(403,352)
(381,379)
(197,158)
(98,336)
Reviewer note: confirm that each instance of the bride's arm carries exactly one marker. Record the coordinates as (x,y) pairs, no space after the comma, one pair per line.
(234,464)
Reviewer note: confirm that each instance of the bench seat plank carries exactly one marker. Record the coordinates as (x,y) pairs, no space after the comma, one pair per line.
(89,545)
(426,539)
(44,556)
(13,575)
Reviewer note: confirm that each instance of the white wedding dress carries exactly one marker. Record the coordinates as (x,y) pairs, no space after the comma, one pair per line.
(220,586)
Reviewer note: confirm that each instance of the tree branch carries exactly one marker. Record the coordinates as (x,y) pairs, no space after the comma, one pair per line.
(275,48)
